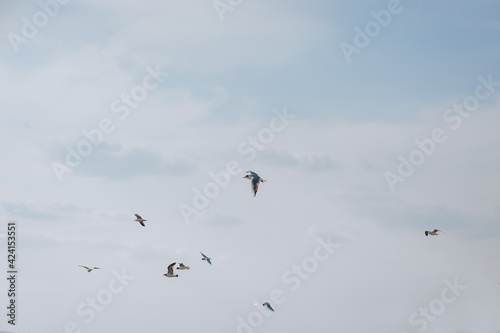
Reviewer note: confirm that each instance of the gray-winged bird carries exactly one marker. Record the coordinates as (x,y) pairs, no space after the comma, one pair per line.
(89,269)
(432,233)
(182,266)
(170,271)
(140,219)
(256,180)
(266,304)
(206,258)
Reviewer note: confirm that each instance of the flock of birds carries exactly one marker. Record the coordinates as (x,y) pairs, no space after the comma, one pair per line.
(255,181)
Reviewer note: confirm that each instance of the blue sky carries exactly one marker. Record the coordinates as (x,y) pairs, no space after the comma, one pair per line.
(266,89)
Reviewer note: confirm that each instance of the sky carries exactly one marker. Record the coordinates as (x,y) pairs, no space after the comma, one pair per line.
(370,121)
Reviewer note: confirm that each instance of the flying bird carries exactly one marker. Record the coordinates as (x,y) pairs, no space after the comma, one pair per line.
(140,219)
(256,180)
(89,269)
(266,304)
(206,258)
(182,266)
(170,271)
(432,233)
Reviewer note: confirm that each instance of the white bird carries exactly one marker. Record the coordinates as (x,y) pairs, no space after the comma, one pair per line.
(432,233)
(89,269)
(256,180)
(170,271)
(182,266)
(206,258)
(140,219)
(266,304)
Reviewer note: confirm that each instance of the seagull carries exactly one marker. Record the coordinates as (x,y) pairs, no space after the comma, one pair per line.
(89,269)
(256,180)
(432,233)
(170,271)
(140,219)
(206,258)
(182,266)
(266,304)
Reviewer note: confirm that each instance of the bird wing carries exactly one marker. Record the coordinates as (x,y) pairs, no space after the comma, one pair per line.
(138,216)
(84,267)
(96,268)
(142,223)
(252,173)
(269,306)
(208,259)
(170,268)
